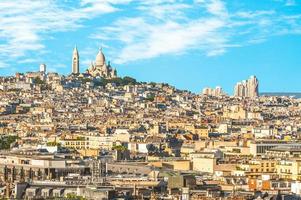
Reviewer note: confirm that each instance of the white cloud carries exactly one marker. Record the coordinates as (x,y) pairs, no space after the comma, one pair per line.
(149,29)
(216,52)
(290,3)
(217,7)
(169,28)
(168,38)
(163,11)
(24,24)
(143,37)
(3,65)
(214,7)
(254,14)
(28,60)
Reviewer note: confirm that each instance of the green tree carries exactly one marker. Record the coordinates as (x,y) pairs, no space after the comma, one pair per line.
(6,141)
(150,97)
(85,80)
(129,80)
(119,147)
(74,197)
(38,81)
(53,144)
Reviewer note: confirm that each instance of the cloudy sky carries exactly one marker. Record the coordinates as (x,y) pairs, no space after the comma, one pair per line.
(188,43)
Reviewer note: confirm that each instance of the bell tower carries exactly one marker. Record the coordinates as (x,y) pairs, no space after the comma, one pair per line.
(75,61)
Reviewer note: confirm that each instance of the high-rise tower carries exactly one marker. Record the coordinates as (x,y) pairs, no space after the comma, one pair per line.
(247,88)
(75,61)
(253,87)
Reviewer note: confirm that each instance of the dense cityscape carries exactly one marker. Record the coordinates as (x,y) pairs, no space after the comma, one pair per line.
(94,135)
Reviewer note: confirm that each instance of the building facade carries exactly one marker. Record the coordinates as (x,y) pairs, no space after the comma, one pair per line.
(247,88)
(100,68)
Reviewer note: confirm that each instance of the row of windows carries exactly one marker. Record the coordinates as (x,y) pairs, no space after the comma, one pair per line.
(267,164)
(77,143)
(262,170)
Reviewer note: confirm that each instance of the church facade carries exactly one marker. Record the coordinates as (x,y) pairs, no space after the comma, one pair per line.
(98,68)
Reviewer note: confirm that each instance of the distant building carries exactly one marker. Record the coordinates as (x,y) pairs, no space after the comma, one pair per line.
(253,87)
(240,89)
(100,68)
(218,91)
(43,68)
(75,61)
(247,88)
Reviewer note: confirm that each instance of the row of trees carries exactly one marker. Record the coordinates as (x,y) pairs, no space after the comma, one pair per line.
(103,82)
(118,81)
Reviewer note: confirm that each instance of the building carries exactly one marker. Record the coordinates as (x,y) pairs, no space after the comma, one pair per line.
(252,87)
(61,190)
(100,68)
(43,69)
(47,166)
(217,91)
(89,142)
(289,169)
(247,88)
(203,162)
(75,61)
(240,89)
(261,147)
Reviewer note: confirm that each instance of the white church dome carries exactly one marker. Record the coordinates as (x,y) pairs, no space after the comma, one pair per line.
(100,58)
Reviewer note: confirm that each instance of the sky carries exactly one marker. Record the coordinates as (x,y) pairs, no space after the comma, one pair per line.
(190,44)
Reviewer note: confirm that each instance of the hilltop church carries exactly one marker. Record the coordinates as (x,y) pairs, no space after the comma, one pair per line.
(99,68)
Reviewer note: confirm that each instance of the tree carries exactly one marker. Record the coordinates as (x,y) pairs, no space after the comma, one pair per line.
(38,81)
(119,147)
(129,80)
(74,197)
(53,144)
(150,97)
(85,80)
(6,141)
(117,81)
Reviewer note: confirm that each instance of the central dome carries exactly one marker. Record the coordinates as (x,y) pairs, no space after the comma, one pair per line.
(100,58)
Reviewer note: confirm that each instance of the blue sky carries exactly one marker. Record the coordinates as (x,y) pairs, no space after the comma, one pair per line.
(188,43)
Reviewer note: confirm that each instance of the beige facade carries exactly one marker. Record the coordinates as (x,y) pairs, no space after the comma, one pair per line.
(203,162)
(289,169)
(100,68)
(89,142)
